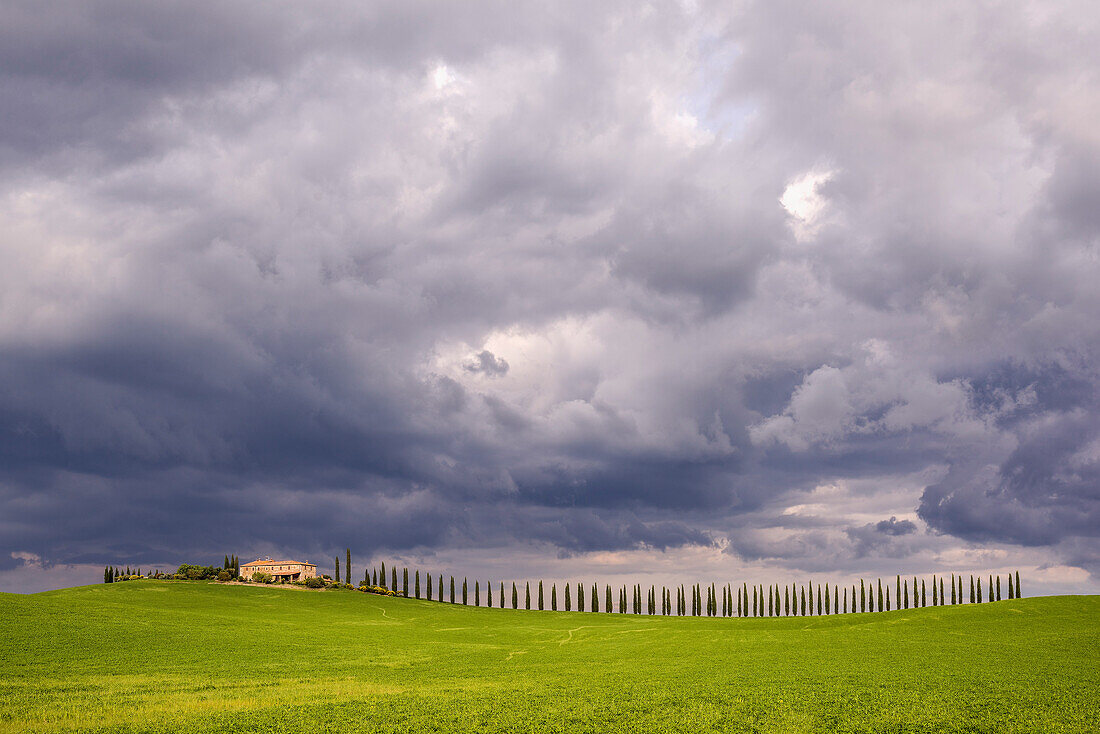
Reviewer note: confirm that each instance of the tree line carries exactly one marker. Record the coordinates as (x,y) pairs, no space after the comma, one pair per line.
(710,600)
(772,600)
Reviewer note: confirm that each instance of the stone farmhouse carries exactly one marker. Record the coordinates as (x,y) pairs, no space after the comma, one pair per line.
(283,570)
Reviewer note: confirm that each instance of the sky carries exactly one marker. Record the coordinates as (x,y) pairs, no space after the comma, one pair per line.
(734,291)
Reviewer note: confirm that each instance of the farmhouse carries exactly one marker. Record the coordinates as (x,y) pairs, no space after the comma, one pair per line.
(282,570)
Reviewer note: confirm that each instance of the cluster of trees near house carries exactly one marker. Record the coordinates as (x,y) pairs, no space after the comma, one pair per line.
(710,600)
(228,571)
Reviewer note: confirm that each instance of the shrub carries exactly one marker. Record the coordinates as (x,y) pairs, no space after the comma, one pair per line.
(196,573)
(262,578)
(315,583)
(377,590)
(224,576)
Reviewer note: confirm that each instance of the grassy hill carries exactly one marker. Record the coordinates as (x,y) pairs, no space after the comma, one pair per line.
(155,656)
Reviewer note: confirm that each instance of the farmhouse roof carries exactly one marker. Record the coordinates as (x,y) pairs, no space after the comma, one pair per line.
(269,561)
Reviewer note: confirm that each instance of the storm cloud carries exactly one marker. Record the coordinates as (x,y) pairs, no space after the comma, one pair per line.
(778,285)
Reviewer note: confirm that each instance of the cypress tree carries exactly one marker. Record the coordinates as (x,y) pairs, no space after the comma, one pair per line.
(880,595)
(382,576)
(595,598)
(428,586)
(393,577)
(1019,594)
(416,589)
(540,595)
(827,608)
(819,600)
(622,600)
(979,590)
(953,597)
(336,578)
(740,609)
(489,594)
(923,594)
(972,589)
(935,599)
(477,593)
(942,601)
(553,597)
(374,577)
(405,583)
(515,596)
(527,595)
(786,600)
(225,563)
(607,606)
(845,599)
(502,595)
(440,588)
(905,588)
(637,598)
(465,598)
(862,597)
(713,601)
(1010,595)
(452,589)
(347,569)
(803,604)
(991,597)
(887,597)
(580,597)
(568,599)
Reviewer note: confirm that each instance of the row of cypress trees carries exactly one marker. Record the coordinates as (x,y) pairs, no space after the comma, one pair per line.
(770,601)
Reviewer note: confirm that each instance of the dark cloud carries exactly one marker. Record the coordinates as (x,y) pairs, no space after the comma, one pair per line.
(591,277)
(1046,491)
(893,526)
(487,364)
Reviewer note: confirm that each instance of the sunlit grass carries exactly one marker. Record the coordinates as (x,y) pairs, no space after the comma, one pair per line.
(154,656)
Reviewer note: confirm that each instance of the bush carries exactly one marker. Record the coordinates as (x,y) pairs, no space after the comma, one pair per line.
(315,583)
(377,590)
(262,578)
(224,576)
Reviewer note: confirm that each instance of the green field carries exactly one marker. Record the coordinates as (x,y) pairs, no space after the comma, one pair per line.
(177,656)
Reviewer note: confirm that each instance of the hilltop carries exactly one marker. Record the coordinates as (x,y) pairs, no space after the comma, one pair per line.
(150,656)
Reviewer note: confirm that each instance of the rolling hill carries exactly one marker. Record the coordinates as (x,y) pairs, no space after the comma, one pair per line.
(152,656)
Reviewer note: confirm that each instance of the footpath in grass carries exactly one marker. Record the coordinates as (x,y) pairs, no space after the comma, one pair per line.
(196,657)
